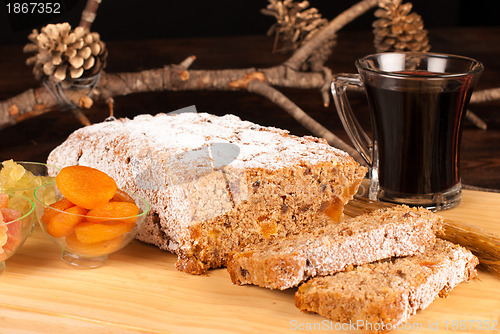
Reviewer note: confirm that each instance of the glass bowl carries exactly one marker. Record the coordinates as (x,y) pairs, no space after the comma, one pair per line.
(85,241)
(26,185)
(13,234)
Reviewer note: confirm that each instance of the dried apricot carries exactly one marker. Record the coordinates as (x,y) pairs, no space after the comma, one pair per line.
(88,232)
(110,210)
(122,196)
(63,223)
(85,186)
(61,205)
(97,248)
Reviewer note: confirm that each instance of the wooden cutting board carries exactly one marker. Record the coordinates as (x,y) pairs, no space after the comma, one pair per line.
(140,291)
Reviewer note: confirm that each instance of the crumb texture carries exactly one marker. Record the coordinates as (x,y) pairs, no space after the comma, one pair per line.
(216,184)
(384,233)
(384,294)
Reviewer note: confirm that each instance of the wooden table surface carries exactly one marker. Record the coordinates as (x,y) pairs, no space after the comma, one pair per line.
(139,290)
(35,138)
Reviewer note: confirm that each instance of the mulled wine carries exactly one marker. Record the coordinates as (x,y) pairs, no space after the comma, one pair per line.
(417,130)
(417,104)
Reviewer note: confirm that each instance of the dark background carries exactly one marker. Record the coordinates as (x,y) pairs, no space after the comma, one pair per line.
(225,34)
(127,19)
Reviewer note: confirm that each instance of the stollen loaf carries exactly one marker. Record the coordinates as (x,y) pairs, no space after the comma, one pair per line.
(217,184)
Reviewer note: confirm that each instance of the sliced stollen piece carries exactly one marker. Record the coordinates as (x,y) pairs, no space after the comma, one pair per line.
(285,263)
(377,297)
(216,184)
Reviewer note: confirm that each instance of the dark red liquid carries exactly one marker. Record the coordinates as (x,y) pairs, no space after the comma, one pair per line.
(418,133)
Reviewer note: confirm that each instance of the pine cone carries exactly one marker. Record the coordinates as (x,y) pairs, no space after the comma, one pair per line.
(63,53)
(397,29)
(295,24)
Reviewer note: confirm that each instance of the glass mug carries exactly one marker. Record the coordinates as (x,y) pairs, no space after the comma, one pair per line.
(417,103)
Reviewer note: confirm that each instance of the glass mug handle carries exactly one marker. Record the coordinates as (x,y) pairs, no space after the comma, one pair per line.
(361,141)
(358,136)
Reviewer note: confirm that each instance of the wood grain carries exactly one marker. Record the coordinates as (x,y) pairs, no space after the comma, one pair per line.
(140,291)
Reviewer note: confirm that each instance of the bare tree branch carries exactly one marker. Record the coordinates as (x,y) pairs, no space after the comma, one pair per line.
(297,113)
(89,13)
(301,55)
(485,95)
(178,77)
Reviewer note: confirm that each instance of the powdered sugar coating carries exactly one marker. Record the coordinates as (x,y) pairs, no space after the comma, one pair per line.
(282,264)
(258,145)
(196,167)
(388,292)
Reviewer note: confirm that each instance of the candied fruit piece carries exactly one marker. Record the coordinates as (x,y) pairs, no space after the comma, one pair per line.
(17,172)
(122,196)
(13,236)
(10,214)
(63,223)
(111,210)
(61,205)
(3,234)
(11,170)
(87,187)
(333,209)
(8,163)
(4,200)
(88,232)
(47,194)
(19,204)
(97,248)
(10,229)
(24,185)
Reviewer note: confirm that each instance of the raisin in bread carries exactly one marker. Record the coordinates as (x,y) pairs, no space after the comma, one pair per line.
(216,184)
